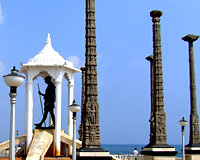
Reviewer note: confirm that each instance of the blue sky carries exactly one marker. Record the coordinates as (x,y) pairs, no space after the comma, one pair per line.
(124,39)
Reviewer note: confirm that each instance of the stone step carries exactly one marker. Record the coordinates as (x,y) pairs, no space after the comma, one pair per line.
(40,144)
(68,140)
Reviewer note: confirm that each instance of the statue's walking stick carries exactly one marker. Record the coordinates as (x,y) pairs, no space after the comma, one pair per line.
(41,104)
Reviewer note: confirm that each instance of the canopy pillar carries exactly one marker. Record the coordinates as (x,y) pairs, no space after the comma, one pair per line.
(70,122)
(58,117)
(29,113)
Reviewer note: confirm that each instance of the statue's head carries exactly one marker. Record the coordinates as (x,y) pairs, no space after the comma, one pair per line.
(47,79)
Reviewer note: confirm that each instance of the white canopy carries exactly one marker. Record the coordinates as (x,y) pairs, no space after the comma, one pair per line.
(48,62)
(48,57)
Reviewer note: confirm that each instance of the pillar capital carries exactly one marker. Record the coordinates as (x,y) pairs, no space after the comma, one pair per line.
(156,14)
(190,38)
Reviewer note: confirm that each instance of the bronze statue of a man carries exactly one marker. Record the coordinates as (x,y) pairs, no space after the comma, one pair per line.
(49,99)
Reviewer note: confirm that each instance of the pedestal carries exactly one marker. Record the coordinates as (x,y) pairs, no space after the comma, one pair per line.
(159,153)
(93,154)
(192,153)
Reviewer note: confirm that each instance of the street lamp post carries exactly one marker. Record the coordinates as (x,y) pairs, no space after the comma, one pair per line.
(13,80)
(17,132)
(74,108)
(183,123)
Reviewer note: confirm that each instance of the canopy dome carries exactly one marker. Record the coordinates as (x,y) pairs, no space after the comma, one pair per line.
(48,57)
(48,54)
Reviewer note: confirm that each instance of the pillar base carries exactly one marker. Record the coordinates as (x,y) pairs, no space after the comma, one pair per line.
(158,152)
(192,152)
(192,156)
(93,154)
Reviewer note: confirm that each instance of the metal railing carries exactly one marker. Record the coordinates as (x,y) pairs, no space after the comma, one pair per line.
(4,153)
(114,156)
(127,157)
(54,158)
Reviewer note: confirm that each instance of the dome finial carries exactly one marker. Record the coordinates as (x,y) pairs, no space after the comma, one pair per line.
(48,39)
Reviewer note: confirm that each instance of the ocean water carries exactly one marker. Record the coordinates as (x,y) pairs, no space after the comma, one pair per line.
(128,148)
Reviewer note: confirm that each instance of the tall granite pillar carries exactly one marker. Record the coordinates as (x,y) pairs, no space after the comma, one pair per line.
(91,146)
(193,148)
(158,149)
(151,120)
(80,130)
(160,135)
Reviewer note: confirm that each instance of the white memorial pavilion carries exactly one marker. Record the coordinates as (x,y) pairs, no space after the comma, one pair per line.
(48,62)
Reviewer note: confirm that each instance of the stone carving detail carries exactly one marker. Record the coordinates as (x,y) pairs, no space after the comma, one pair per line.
(80,130)
(195,129)
(159,118)
(194,120)
(161,125)
(151,120)
(90,123)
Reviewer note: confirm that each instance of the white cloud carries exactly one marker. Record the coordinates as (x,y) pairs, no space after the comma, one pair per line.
(75,60)
(1,15)
(2,68)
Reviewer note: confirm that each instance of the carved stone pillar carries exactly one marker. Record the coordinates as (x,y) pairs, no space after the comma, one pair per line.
(158,148)
(151,120)
(91,127)
(160,116)
(80,130)
(91,145)
(194,120)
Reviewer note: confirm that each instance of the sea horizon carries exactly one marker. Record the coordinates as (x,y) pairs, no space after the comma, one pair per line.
(128,148)
(121,149)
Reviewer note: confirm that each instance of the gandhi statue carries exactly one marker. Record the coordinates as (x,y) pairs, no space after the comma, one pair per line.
(49,99)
